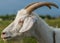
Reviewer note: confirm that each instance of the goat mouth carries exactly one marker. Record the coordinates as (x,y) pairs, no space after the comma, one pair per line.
(7,37)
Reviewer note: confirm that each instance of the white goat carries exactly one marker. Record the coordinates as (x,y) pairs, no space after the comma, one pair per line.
(28,24)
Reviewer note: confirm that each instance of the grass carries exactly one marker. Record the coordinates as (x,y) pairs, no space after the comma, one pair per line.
(5,23)
(54,22)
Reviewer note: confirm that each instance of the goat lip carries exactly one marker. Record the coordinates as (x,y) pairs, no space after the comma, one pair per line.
(7,37)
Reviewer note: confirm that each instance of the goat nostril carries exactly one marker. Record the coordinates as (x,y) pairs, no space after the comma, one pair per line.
(3,33)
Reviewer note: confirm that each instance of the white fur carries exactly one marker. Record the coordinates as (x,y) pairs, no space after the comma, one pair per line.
(33,26)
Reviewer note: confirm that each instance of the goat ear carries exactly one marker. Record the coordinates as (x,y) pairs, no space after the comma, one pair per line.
(27,25)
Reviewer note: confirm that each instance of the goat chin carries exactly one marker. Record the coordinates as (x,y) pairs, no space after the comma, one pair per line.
(12,41)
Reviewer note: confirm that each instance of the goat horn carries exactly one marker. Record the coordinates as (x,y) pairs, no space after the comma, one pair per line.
(40,4)
(30,5)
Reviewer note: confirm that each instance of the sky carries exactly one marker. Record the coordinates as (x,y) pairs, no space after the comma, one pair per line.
(12,7)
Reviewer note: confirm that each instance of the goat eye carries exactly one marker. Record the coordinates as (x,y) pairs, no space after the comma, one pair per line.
(21,21)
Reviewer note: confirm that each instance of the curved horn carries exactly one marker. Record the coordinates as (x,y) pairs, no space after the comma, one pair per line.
(40,4)
(30,5)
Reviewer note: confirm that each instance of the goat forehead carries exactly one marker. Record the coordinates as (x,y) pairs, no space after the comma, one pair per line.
(21,14)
